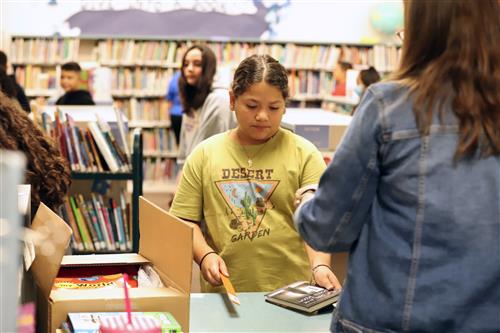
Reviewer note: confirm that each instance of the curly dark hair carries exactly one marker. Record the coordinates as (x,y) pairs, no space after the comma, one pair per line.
(47,171)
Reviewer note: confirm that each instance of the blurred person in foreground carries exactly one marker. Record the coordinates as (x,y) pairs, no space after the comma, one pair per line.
(413,192)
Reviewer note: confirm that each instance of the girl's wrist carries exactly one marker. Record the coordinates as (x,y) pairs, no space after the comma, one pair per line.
(205,256)
(308,189)
(315,268)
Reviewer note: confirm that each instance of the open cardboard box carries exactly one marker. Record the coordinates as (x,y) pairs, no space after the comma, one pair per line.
(166,243)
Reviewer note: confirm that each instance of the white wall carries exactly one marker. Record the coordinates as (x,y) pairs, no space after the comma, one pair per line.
(315,20)
(334,20)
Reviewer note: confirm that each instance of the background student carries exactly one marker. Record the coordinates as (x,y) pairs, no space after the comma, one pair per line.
(365,78)
(47,171)
(413,191)
(70,82)
(340,78)
(12,88)
(175,105)
(240,185)
(205,107)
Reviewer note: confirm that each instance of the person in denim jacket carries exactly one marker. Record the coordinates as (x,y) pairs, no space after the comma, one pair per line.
(413,192)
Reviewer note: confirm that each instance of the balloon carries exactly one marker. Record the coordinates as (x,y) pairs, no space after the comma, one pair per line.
(370,39)
(387,17)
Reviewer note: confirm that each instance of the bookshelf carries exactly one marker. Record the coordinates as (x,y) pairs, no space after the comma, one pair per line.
(135,175)
(103,215)
(142,67)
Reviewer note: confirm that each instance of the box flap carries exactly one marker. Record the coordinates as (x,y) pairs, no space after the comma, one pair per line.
(50,250)
(103,259)
(167,242)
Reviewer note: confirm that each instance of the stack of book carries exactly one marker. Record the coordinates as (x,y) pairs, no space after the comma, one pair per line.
(97,226)
(160,169)
(90,149)
(159,140)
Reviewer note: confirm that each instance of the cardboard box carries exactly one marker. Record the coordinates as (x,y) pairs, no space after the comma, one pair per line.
(323,128)
(166,243)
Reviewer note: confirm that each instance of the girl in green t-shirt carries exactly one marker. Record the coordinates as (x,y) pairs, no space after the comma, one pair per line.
(239,187)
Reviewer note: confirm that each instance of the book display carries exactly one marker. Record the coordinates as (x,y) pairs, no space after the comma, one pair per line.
(94,141)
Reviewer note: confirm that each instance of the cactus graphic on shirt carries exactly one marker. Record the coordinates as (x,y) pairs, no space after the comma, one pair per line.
(250,212)
(249,201)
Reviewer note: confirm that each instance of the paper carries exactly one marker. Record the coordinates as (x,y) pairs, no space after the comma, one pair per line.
(231,293)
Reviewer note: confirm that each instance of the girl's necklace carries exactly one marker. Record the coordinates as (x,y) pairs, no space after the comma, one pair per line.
(250,158)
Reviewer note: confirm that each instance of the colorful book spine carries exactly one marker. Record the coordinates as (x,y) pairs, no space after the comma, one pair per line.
(116,222)
(86,238)
(109,241)
(75,143)
(69,149)
(96,224)
(86,219)
(78,243)
(110,225)
(123,207)
(95,153)
(86,152)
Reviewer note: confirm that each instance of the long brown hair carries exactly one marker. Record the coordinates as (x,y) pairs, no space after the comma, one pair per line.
(451,52)
(193,97)
(47,171)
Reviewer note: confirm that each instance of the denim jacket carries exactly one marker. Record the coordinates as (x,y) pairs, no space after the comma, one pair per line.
(422,231)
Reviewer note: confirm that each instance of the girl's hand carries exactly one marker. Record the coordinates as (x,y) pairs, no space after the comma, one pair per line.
(304,193)
(211,268)
(324,277)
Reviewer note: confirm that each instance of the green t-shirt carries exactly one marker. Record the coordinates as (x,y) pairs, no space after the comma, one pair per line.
(248,211)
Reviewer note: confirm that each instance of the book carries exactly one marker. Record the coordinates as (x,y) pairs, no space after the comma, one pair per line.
(125,220)
(80,202)
(94,150)
(90,322)
(104,147)
(75,143)
(121,130)
(78,243)
(108,216)
(115,149)
(110,244)
(93,282)
(84,232)
(303,296)
(113,212)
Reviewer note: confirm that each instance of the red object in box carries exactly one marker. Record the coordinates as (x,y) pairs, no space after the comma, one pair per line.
(92,282)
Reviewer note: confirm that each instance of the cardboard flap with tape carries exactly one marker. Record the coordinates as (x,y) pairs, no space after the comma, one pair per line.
(55,238)
(162,238)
